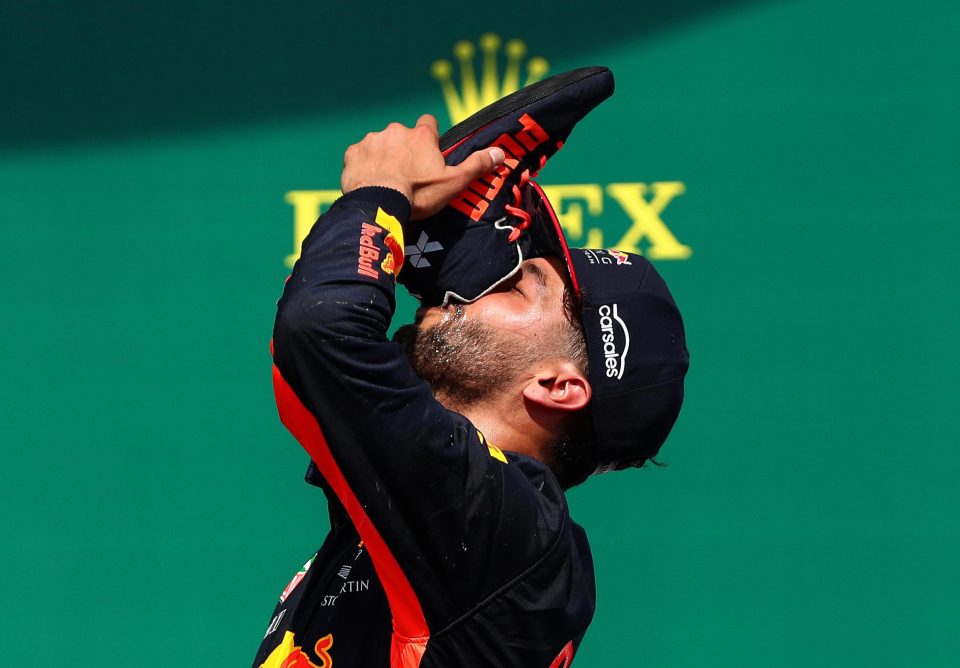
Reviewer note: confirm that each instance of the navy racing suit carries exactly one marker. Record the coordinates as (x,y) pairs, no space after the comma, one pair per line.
(443,550)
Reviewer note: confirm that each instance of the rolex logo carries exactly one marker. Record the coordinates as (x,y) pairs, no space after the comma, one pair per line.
(474,96)
(624,216)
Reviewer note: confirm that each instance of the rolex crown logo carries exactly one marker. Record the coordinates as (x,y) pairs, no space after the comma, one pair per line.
(474,97)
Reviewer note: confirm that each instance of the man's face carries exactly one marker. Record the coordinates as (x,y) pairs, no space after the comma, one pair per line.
(467,352)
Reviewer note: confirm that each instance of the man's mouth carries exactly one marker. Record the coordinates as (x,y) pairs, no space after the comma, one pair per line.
(421,313)
(436,313)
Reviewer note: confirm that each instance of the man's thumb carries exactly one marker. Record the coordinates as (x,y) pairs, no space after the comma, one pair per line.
(455,179)
(481,162)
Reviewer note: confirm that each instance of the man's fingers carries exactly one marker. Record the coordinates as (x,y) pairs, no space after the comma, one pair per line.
(497,155)
(427,119)
(455,179)
(430,122)
(479,163)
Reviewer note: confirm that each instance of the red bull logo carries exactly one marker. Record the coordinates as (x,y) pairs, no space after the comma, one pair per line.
(286,655)
(388,265)
(369,252)
(620,256)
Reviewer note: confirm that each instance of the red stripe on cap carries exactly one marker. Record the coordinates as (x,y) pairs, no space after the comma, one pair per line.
(410,631)
(563,239)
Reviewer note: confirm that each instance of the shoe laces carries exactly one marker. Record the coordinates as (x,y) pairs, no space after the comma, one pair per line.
(515,209)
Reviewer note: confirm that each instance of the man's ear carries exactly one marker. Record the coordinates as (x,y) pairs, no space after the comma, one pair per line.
(558,387)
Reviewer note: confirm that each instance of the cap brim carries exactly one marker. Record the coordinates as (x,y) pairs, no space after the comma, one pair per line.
(548,236)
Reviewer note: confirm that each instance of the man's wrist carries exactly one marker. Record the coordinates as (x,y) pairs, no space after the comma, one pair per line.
(391,200)
(400,186)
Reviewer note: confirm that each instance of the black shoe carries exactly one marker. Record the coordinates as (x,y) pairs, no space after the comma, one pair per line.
(478,239)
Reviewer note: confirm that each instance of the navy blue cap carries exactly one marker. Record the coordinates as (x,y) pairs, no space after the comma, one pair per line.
(636,344)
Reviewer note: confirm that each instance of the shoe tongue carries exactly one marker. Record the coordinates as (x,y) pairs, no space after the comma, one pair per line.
(463,251)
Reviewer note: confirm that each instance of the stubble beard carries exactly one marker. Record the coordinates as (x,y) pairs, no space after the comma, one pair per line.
(464,361)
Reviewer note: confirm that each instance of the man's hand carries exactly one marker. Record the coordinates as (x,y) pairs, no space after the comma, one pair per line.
(409,160)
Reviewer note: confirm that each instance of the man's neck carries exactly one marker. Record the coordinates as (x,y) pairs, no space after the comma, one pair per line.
(504,425)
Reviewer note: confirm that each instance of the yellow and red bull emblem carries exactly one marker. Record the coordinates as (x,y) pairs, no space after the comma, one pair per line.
(388,265)
(368,252)
(620,256)
(289,655)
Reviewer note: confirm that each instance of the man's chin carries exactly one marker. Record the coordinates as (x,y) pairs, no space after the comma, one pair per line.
(463,361)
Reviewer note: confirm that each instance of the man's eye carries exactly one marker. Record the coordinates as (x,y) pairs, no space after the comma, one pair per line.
(514,285)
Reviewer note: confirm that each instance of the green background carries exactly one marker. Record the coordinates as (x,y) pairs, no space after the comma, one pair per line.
(151,504)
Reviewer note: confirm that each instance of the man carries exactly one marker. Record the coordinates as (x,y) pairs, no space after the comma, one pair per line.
(444,468)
